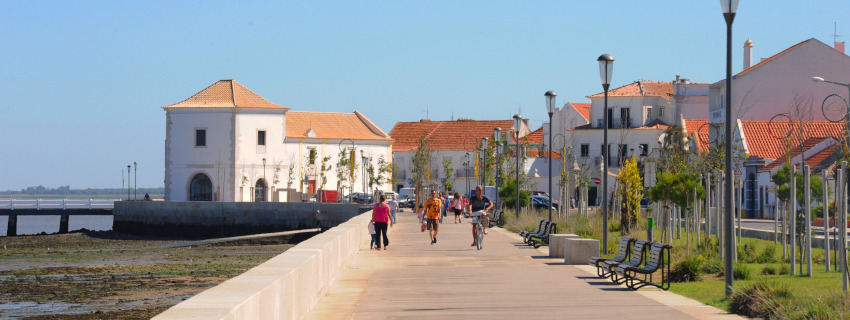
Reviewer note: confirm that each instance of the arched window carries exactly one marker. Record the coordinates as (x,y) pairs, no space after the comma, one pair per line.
(201,188)
(260,191)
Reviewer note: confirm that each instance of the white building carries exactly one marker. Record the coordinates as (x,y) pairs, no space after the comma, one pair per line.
(226,143)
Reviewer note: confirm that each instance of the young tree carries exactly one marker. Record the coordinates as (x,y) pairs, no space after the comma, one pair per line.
(448,171)
(421,169)
(324,169)
(630,188)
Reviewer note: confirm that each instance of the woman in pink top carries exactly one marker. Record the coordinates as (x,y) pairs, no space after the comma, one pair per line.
(457,206)
(381,217)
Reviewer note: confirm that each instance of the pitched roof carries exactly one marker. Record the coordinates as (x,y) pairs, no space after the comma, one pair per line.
(663,89)
(226,94)
(533,153)
(762,143)
(332,125)
(772,57)
(461,134)
(536,136)
(698,129)
(813,160)
(582,108)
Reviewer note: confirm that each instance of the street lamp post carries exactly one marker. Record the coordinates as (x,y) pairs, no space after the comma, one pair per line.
(363,169)
(606,70)
(128,182)
(729,8)
(497,139)
(135,179)
(550,106)
(484,161)
(517,122)
(265,184)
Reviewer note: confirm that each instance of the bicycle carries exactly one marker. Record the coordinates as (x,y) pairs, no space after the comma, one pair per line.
(481,221)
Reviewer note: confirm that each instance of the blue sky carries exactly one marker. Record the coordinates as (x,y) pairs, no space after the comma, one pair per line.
(82,82)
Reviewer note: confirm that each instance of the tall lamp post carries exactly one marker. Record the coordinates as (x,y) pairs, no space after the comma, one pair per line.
(517,122)
(265,184)
(606,70)
(466,163)
(363,169)
(135,179)
(550,106)
(729,7)
(484,161)
(128,182)
(497,139)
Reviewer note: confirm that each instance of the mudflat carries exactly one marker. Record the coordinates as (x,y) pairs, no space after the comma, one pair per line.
(109,275)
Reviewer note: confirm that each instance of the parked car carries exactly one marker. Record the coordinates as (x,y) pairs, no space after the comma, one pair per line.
(358,197)
(644,203)
(407,201)
(545,199)
(540,202)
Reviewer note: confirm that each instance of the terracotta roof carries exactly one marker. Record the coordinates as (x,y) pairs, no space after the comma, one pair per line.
(331,125)
(461,134)
(644,88)
(583,108)
(225,94)
(812,160)
(695,129)
(541,154)
(772,57)
(761,143)
(536,136)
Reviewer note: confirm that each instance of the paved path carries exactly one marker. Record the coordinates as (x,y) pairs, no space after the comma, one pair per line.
(506,280)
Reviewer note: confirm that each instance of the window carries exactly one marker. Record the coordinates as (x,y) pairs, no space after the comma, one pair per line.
(660,112)
(649,113)
(261,138)
(625,118)
(644,149)
(585,150)
(313,155)
(200,137)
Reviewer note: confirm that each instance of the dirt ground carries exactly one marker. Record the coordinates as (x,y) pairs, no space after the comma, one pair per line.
(108,275)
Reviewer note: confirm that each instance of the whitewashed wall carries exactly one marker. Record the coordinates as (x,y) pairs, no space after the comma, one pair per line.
(183,160)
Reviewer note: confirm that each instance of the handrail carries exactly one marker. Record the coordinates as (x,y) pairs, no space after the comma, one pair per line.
(64,204)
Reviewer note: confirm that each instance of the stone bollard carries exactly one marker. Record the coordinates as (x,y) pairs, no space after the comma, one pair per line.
(12,226)
(63,223)
(579,251)
(557,244)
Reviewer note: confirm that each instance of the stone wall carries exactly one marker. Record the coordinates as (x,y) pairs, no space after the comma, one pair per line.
(205,219)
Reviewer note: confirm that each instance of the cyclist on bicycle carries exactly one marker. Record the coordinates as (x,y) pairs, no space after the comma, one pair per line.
(479,203)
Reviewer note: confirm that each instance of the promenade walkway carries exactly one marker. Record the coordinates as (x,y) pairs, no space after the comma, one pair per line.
(506,280)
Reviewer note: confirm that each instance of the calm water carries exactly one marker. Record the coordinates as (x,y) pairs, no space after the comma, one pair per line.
(50,224)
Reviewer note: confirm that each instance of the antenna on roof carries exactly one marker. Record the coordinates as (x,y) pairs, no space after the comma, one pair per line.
(835,34)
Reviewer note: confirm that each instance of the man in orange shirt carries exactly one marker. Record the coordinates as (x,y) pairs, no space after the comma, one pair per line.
(432,213)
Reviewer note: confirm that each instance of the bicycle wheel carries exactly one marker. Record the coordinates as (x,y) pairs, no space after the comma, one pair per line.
(480,236)
(834,108)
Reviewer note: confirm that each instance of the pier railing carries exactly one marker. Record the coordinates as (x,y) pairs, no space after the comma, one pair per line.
(63,204)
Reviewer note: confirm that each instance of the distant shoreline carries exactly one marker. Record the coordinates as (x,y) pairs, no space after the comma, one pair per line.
(79,196)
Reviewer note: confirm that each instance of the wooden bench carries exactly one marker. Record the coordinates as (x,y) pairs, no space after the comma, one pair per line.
(524,234)
(657,261)
(496,217)
(623,250)
(637,258)
(539,239)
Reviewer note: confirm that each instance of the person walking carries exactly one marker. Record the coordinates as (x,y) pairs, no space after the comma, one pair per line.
(432,212)
(371,228)
(457,207)
(479,203)
(381,216)
(393,207)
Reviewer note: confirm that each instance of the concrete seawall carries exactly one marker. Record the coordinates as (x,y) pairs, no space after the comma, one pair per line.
(204,219)
(287,286)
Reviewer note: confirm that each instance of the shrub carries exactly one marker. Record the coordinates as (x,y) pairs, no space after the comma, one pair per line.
(760,300)
(768,255)
(614,225)
(712,266)
(686,270)
(768,270)
(741,271)
(784,269)
(746,252)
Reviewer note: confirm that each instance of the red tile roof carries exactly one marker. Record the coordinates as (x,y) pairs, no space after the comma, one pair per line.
(772,57)
(461,134)
(536,136)
(332,125)
(697,129)
(644,88)
(760,141)
(226,94)
(812,160)
(532,153)
(582,108)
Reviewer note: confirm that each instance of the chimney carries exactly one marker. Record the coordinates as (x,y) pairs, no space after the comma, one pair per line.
(839,46)
(748,54)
